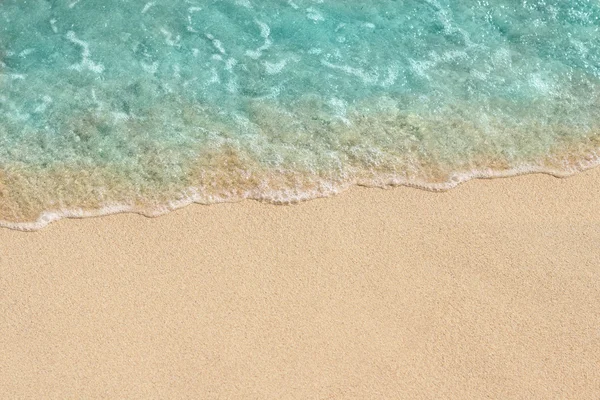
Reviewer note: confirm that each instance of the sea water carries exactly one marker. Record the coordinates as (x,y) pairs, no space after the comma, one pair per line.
(136,105)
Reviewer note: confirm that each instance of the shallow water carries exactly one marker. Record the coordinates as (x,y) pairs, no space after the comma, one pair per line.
(111,105)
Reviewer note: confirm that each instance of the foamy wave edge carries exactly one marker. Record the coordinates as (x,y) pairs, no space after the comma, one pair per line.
(280,197)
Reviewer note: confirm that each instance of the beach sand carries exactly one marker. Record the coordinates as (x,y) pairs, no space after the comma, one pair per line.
(490,290)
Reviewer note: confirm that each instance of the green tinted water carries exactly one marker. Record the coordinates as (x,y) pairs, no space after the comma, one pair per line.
(134,105)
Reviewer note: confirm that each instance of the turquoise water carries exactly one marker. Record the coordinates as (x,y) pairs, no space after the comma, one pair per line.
(113,105)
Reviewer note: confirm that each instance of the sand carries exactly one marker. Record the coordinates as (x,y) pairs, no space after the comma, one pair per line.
(490,290)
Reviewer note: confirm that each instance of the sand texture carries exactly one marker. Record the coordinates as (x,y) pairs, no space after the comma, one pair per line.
(490,290)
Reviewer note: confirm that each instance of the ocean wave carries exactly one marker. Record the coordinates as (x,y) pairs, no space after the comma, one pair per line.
(303,189)
(146,106)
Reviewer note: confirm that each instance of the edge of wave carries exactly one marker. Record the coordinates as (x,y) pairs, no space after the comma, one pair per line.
(278,197)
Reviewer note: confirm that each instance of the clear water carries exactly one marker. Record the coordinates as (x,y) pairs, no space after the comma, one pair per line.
(113,105)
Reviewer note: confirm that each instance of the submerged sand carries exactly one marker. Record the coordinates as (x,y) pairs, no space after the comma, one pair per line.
(490,290)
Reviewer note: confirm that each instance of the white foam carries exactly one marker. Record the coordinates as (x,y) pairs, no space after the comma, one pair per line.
(420,67)
(542,84)
(445,17)
(190,28)
(581,48)
(46,101)
(502,57)
(94,96)
(453,55)
(314,14)
(292,195)
(392,77)
(216,43)
(230,63)
(368,78)
(244,3)
(215,77)
(232,86)
(147,6)
(340,107)
(169,38)
(265,33)
(16,111)
(150,68)
(192,10)
(275,91)
(53,25)
(26,52)
(85,63)
(482,76)
(275,68)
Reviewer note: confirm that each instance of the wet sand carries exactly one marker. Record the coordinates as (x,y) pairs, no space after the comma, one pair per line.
(490,290)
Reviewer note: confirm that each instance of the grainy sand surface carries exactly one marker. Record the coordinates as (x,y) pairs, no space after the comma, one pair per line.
(490,290)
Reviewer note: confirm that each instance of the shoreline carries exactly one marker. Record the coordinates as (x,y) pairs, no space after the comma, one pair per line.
(489,290)
(454,180)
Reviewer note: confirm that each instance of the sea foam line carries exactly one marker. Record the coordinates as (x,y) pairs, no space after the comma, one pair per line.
(278,197)
(85,63)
